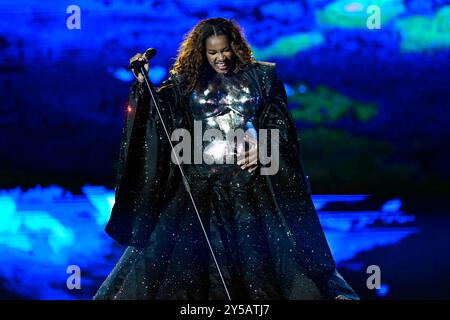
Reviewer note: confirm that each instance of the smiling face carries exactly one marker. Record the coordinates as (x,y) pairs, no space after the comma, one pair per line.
(219,53)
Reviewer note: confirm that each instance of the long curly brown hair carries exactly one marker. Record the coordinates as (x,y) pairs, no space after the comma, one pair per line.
(191,63)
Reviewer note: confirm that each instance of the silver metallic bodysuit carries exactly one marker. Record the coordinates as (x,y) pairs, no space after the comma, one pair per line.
(227,104)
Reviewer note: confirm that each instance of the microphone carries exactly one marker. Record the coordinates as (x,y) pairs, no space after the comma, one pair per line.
(148,54)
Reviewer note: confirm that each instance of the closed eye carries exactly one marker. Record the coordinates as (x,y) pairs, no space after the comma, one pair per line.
(224,50)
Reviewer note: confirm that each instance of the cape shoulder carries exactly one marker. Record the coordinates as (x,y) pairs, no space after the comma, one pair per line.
(266,64)
(265,67)
(174,81)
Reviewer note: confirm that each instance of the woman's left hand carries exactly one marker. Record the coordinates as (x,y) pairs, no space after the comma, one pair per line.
(249,161)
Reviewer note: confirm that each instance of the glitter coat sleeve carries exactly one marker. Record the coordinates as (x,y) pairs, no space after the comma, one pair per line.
(145,175)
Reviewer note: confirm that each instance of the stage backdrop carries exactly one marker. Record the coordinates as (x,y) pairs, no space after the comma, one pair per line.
(367,83)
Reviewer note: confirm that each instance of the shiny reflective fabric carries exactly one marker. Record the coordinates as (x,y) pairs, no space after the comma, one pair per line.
(228,105)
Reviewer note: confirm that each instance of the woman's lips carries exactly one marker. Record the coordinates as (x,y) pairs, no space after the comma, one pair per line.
(222,66)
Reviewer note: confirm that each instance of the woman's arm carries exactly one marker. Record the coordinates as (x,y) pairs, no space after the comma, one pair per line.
(146,176)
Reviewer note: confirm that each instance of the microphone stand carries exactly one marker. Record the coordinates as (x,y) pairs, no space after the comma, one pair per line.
(185,182)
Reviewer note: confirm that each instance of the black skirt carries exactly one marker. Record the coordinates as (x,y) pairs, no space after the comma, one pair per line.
(248,237)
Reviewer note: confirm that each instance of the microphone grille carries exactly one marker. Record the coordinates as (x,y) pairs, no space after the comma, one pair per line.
(150,53)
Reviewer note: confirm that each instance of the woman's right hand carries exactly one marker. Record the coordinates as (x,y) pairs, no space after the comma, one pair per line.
(137,74)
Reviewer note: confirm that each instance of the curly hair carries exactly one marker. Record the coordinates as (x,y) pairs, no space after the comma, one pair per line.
(191,63)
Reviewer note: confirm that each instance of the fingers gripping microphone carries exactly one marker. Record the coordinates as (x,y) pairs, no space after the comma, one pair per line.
(137,64)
